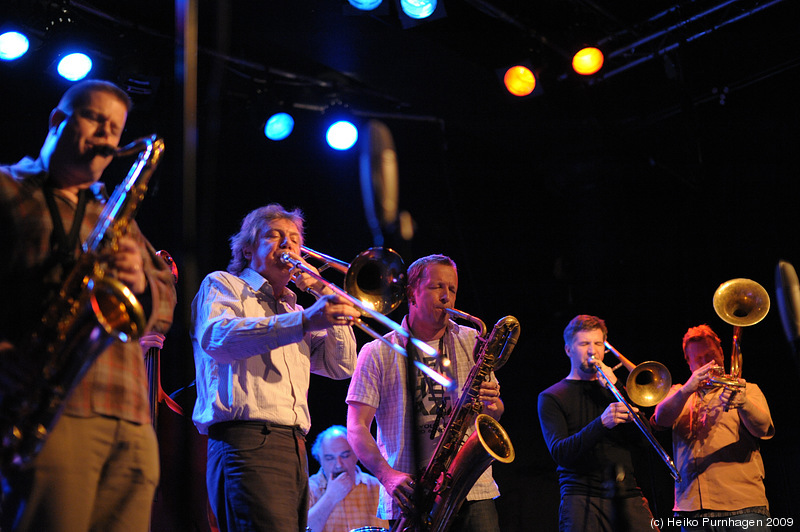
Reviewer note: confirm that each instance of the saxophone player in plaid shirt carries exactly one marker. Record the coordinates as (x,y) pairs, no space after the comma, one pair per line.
(99,466)
(378,391)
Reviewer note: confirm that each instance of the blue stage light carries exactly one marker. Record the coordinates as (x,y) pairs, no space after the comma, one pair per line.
(341,135)
(418,9)
(365,5)
(75,66)
(13,45)
(279,126)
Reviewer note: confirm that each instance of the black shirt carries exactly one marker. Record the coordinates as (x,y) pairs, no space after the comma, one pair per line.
(589,456)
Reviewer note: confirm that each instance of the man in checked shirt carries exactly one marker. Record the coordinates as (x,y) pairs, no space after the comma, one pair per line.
(342,497)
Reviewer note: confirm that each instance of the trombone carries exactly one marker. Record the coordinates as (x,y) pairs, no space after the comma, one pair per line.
(658,381)
(375,284)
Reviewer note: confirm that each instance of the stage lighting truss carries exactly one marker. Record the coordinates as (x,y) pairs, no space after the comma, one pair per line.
(670,29)
(636,43)
(58,29)
(54,41)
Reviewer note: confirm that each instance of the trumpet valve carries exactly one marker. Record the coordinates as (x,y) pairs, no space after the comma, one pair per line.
(718,378)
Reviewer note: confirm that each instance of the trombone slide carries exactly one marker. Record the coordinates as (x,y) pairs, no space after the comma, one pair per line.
(639,423)
(622,360)
(444,380)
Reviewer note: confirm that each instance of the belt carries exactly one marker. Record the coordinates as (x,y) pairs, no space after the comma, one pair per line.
(218,430)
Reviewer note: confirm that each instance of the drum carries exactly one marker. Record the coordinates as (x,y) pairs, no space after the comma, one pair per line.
(369,529)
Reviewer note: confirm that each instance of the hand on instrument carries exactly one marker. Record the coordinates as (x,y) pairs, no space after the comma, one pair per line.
(616,413)
(304,281)
(328,311)
(606,370)
(401,487)
(340,486)
(128,264)
(489,394)
(733,397)
(151,339)
(699,377)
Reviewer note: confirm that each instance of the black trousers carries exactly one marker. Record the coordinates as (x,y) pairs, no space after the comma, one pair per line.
(582,513)
(257,477)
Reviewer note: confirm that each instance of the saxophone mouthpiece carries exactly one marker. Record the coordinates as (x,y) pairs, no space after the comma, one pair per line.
(137,146)
(104,150)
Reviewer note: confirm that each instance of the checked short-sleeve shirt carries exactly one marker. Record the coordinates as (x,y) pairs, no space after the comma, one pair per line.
(357,510)
(379,381)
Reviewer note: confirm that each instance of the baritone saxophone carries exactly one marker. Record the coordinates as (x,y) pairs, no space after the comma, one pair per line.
(90,311)
(457,464)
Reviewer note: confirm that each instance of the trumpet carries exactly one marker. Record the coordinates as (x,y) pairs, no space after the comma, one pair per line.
(375,284)
(648,371)
(741,303)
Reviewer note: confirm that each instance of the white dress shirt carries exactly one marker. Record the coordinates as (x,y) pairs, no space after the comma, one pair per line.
(253,361)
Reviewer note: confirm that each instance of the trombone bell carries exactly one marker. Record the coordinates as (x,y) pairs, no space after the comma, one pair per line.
(648,383)
(377,277)
(375,284)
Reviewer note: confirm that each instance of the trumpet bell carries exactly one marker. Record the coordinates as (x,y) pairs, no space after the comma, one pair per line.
(741,302)
(648,383)
(377,277)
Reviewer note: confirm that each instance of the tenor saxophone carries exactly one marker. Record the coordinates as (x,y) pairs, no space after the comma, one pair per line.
(456,464)
(90,311)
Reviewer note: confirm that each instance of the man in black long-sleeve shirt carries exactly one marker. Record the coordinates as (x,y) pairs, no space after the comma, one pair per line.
(590,438)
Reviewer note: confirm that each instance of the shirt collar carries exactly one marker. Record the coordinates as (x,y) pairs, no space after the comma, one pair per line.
(257,282)
(28,167)
(450,329)
(33,169)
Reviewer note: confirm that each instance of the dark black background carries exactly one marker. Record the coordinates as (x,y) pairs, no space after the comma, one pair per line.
(631,197)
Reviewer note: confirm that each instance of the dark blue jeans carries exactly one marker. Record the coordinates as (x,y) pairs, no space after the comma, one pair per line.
(257,477)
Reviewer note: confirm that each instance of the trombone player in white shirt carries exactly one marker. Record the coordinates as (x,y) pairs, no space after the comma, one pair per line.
(254,350)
